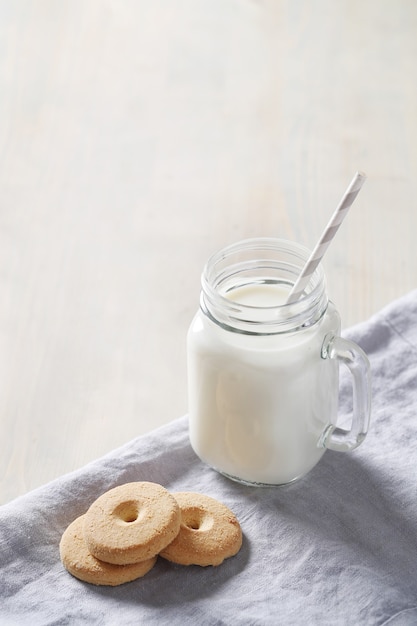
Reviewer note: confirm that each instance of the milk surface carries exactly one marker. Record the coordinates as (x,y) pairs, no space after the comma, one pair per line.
(260,294)
(259,404)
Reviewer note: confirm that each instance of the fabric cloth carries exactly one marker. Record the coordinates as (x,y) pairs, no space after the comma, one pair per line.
(337,547)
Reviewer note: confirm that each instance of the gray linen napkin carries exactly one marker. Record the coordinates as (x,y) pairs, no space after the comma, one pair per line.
(338,547)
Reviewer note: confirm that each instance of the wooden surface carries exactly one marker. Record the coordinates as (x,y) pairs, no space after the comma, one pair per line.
(136,138)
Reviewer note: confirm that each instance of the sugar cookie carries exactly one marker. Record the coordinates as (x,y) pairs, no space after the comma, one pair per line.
(131,523)
(80,563)
(209,532)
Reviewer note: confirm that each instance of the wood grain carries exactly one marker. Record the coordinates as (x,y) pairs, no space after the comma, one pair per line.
(138,137)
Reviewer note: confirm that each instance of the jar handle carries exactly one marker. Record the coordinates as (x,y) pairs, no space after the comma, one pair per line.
(349,353)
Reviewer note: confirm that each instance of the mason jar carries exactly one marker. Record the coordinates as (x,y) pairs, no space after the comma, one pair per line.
(263,375)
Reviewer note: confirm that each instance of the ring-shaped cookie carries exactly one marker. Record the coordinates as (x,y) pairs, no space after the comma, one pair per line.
(131,523)
(209,533)
(80,563)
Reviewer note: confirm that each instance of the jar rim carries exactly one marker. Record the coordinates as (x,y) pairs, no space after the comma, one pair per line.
(279,257)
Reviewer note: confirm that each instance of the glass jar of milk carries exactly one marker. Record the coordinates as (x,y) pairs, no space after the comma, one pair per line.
(263,375)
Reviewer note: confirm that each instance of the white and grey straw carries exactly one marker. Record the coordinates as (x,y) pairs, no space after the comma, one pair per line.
(327,236)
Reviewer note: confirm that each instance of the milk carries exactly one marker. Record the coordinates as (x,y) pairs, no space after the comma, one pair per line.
(258,404)
(259,294)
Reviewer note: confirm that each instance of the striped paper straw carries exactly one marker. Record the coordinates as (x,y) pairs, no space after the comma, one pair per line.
(327,236)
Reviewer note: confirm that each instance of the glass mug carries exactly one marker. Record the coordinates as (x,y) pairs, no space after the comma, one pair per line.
(263,375)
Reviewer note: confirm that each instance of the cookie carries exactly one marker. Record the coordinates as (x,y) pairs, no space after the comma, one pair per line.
(131,523)
(209,533)
(77,559)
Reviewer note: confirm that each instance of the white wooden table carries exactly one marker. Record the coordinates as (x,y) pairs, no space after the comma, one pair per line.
(138,137)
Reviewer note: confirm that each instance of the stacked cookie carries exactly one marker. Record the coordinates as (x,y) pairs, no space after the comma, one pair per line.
(120,536)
